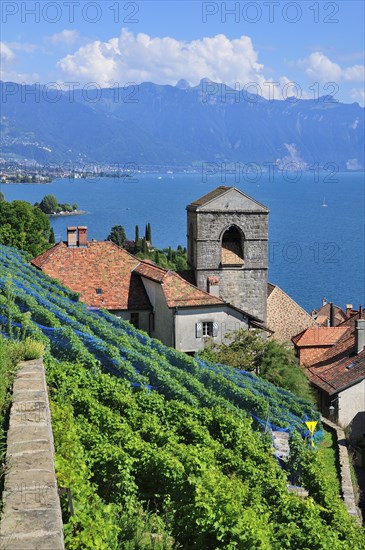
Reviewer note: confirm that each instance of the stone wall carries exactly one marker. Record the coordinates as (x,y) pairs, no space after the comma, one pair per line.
(345,475)
(32,518)
(285,317)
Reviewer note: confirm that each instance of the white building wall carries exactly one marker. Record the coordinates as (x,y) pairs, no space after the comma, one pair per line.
(351,408)
(163,328)
(185,326)
(144,317)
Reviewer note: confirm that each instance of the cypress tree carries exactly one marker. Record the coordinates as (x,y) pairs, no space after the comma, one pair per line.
(144,246)
(52,239)
(137,235)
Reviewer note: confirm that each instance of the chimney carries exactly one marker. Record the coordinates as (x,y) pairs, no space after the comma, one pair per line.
(213,286)
(71,237)
(359,335)
(82,230)
(348,310)
(332,315)
(324,301)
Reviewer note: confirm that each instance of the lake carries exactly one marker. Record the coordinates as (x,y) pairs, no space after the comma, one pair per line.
(314,251)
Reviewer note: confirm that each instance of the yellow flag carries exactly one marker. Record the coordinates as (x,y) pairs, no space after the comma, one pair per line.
(311,426)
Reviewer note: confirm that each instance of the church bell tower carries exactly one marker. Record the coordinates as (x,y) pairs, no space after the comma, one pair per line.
(228,248)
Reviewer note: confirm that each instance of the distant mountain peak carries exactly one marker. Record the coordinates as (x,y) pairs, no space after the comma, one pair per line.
(160,125)
(183,84)
(205,79)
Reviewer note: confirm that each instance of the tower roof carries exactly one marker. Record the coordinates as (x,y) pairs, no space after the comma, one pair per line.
(227,199)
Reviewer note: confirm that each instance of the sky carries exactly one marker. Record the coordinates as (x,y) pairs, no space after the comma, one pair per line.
(304,49)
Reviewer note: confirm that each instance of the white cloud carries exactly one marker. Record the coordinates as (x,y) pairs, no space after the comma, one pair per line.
(358,95)
(6,53)
(67,37)
(319,67)
(22,46)
(22,78)
(139,58)
(353,164)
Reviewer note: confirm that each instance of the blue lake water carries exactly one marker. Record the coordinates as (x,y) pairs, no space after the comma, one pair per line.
(314,251)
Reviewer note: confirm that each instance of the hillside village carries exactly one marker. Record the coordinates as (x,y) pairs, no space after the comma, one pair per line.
(94,320)
(226,289)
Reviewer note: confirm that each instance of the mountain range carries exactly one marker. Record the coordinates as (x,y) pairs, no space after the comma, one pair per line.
(154,125)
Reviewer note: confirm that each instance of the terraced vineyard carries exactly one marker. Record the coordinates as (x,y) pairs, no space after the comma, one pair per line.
(160,449)
(75,333)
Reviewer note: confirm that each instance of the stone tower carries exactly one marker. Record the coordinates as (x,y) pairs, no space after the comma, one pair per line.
(227,248)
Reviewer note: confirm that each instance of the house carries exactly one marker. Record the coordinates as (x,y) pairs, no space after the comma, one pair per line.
(336,369)
(330,315)
(311,343)
(285,317)
(156,300)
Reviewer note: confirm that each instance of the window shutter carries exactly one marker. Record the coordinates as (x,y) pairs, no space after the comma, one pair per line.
(215,329)
(199,330)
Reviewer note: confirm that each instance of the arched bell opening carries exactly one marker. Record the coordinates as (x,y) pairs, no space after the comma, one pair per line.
(232,248)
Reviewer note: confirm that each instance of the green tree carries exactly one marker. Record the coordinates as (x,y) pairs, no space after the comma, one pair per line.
(144,247)
(136,237)
(280,366)
(24,226)
(149,233)
(117,235)
(49,204)
(52,239)
(244,351)
(2,198)
(269,359)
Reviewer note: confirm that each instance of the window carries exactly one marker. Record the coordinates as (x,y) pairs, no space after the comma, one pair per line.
(205,329)
(99,291)
(135,319)
(232,247)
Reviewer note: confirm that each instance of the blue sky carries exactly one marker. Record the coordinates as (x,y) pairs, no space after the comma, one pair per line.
(250,45)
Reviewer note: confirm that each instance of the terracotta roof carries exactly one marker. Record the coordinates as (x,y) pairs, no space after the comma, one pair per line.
(339,366)
(211,195)
(177,291)
(324,313)
(100,272)
(351,321)
(109,277)
(319,336)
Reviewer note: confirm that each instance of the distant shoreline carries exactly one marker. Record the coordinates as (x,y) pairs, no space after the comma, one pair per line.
(74,213)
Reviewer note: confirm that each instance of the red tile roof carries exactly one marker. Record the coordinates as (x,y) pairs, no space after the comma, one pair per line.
(100,265)
(339,366)
(178,292)
(351,321)
(117,276)
(319,336)
(323,314)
